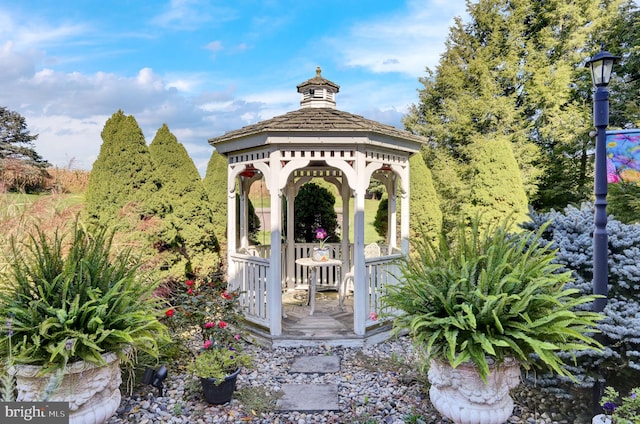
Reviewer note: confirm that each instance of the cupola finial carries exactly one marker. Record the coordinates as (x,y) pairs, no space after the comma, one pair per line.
(318,91)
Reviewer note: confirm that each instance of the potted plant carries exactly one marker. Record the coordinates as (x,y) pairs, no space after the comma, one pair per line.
(75,310)
(625,410)
(322,251)
(483,303)
(205,311)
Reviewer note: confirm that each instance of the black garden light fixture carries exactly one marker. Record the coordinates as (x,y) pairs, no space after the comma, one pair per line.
(601,66)
(155,378)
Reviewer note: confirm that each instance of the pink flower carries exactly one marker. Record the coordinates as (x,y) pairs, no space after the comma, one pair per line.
(207,344)
(321,233)
(189,283)
(226,296)
(222,324)
(373,316)
(209,324)
(237,337)
(190,291)
(170,312)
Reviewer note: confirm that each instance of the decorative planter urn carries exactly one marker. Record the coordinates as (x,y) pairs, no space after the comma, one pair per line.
(601,419)
(93,391)
(320,254)
(216,392)
(460,394)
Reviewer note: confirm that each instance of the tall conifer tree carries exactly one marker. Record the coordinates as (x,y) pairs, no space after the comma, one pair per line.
(425,216)
(496,187)
(515,72)
(123,173)
(215,184)
(185,236)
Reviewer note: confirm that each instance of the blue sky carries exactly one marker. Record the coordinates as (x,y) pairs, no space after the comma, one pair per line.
(205,67)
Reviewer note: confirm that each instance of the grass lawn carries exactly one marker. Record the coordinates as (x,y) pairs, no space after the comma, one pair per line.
(370,234)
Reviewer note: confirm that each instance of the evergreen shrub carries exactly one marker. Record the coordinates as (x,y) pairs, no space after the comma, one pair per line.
(314,208)
(571,233)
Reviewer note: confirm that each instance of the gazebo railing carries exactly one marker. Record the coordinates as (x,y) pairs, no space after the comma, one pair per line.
(251,276)
(252,271)
(381,273)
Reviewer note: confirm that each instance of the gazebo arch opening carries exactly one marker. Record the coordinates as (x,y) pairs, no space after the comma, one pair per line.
(348,151)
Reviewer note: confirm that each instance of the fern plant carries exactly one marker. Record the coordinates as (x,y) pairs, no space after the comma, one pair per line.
(69,300)
(483,295)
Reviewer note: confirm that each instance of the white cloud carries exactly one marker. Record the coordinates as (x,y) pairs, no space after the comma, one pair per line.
(189,15)
(68,109)
(214,46)
(63,140)
(404,42)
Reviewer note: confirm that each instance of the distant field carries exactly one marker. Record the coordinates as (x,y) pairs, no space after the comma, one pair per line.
(370,234)
(19,212)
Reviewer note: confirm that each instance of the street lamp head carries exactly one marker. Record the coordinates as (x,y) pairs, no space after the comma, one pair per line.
(601,65)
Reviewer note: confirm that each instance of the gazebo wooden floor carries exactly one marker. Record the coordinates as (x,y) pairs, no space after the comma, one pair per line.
(327,321)
(328,326)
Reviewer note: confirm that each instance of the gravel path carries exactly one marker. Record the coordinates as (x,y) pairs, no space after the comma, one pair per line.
(375,386)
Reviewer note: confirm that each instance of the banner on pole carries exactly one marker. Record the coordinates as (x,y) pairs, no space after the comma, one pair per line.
(623,156)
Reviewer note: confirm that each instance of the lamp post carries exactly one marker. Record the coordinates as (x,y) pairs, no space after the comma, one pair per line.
(601,66)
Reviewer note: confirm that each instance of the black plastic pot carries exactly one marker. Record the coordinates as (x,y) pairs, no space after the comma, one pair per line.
(216,392)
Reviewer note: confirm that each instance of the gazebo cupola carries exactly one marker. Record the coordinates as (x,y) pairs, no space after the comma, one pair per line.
(318,92)
(316,141)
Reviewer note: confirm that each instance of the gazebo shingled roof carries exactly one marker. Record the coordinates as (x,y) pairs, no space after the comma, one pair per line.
(318,119)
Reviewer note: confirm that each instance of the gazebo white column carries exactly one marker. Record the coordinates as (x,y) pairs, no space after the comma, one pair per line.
(290,192)
(244,211)
(360,289)
(275,180)
(392,209)
(231,226)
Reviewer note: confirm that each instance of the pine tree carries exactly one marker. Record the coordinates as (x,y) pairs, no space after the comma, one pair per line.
(122,175)
(16,142)
(21,167)
(514,72)
(625,42)
(185,237)
(215,184)
(556,94)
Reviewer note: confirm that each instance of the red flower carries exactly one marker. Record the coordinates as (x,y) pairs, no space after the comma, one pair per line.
(190,291)
(170,312)
(227,296)
(222,324)
(207,344)
(189,283)
(209,324)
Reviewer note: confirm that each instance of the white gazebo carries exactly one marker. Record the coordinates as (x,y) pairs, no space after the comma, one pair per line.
(315,141)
